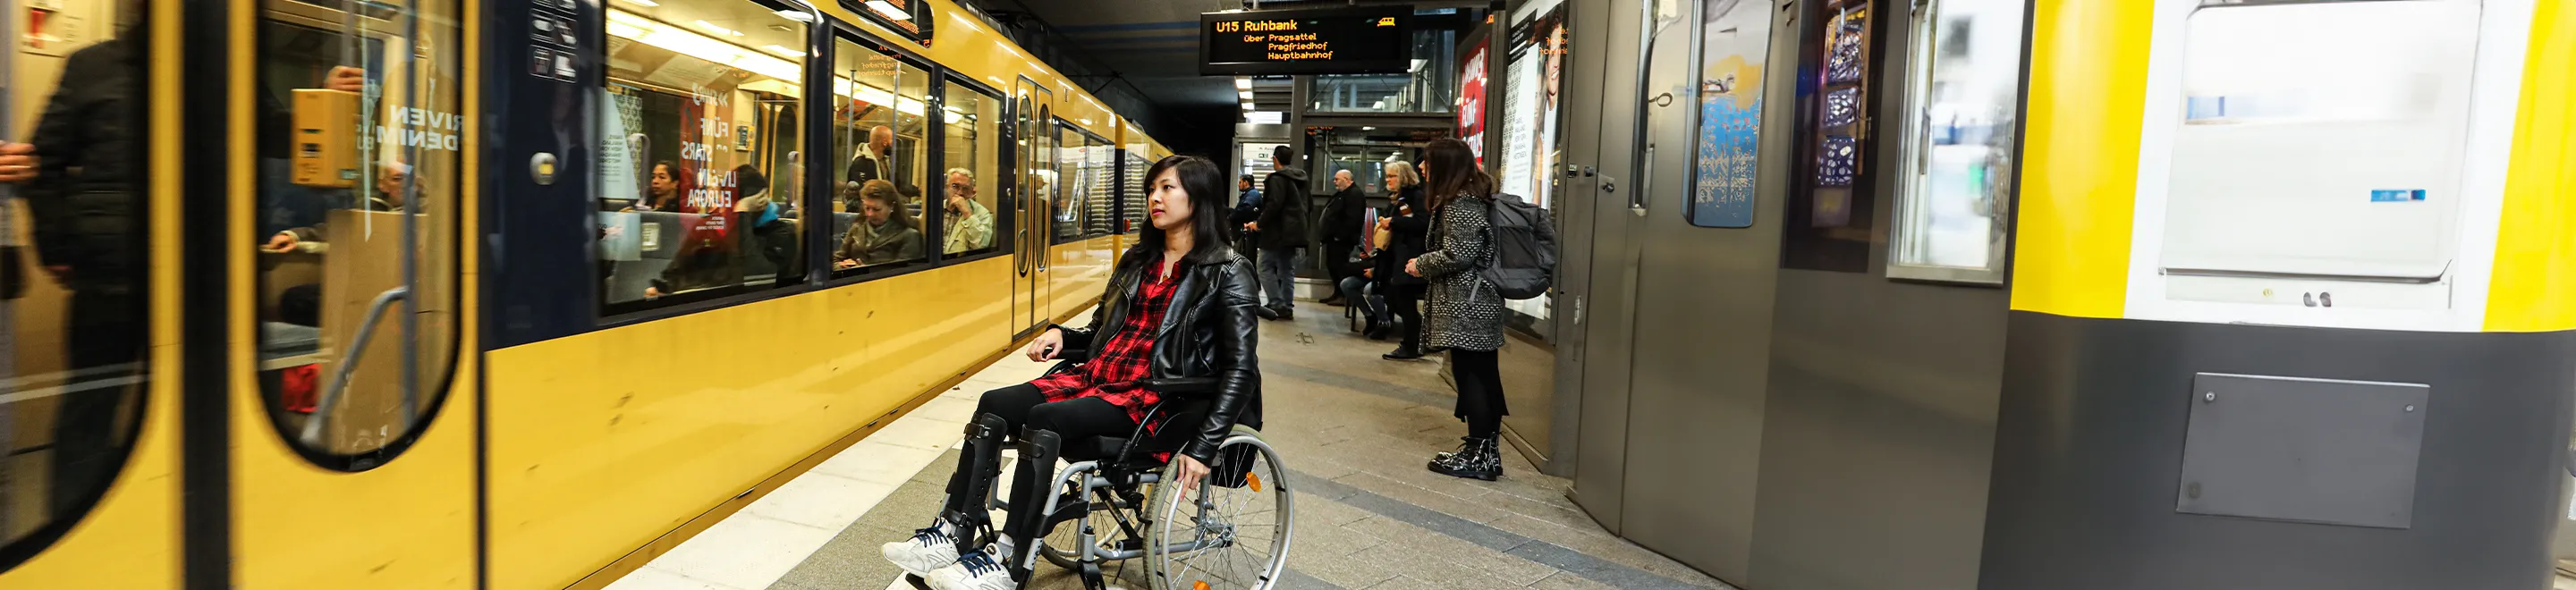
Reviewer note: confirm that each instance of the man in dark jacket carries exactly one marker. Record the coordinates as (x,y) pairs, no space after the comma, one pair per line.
(1246,209)
(1341,231)
(1282,224)
(86,193)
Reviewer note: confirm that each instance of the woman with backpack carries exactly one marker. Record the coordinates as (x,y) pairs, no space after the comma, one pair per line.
(1465,316)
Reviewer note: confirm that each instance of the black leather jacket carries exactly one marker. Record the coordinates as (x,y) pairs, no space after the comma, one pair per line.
(1206,342)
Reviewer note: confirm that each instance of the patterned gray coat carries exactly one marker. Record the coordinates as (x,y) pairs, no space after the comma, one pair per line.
(1464,311)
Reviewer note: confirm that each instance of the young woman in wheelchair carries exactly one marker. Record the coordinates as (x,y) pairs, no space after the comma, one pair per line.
(1179,309)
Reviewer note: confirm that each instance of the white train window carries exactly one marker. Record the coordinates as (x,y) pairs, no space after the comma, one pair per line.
(2324,163)
(1963,82)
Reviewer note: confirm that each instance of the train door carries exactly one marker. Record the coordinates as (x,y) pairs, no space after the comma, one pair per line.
(1035,169)
(90,426)
(349,467)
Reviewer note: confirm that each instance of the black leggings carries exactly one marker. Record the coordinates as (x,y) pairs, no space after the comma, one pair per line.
(1406,301)
(1480,390)
(1024,406)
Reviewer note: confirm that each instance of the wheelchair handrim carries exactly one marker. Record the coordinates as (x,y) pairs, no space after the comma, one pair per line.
(1174,568)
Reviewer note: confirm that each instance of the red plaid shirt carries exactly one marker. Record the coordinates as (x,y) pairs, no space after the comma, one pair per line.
(1127,357)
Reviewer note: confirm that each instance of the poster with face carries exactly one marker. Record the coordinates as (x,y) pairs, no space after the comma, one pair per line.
(1735,42)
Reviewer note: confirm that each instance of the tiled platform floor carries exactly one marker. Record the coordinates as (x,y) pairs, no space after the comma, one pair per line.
(1353,428)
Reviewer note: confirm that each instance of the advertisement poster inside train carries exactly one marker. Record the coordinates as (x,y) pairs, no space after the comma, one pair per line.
(1735,41)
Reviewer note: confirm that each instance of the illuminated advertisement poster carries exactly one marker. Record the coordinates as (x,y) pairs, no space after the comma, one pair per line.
(1471,101)
(1520,111)
(1551,29)
(1735,40)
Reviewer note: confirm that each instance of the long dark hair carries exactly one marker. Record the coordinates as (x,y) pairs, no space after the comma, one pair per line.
(1206,185)
(1454,172)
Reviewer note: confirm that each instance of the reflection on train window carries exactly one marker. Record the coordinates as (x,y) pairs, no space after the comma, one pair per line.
(697,191)
(1957,184)
(1131,201)
(1070,186)
(971,186)
(357,241)
(1100,216)
(879,124)
(74,230)
(1831,207)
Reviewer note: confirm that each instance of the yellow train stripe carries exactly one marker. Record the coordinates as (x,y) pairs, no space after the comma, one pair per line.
(2079,157)
(2534,288)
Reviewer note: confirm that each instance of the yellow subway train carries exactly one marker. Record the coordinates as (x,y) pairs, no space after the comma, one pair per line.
(466,294)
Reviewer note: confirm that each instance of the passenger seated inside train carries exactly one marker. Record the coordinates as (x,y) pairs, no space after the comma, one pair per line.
(968,225)
(392,194)
(1183,262)
(882,236)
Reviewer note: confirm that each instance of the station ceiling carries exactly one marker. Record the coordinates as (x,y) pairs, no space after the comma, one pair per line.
(1154,44)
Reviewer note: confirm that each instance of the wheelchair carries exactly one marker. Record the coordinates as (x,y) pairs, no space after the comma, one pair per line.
(1108,517)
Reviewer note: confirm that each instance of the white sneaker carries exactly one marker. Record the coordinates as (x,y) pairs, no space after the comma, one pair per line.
(975,571)
(930,548)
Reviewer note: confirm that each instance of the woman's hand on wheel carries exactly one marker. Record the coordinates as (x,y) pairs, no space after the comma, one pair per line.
(1047,346)
(1188,471)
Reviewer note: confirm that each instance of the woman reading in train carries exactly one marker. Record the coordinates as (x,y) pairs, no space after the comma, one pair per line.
(1180,273)
(882,235)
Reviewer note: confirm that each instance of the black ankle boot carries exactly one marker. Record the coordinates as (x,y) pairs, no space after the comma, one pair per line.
(1476,458)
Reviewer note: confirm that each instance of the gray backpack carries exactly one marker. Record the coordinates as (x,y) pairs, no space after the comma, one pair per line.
(1522,262)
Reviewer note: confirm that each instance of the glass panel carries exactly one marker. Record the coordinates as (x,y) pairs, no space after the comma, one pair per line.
(1829,214)
(973,181)
(1429,87)
(1735,47)
(704,96)
(1070,189)
(880,128)
(1958,178)
(1101,216)
(358,246)
(1132,201)
(73,230)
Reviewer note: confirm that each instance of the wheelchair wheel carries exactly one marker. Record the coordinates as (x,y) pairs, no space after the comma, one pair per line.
(1232,532)
(1063,546)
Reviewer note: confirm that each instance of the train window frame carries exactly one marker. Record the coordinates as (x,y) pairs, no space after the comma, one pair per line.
(1909,240)
(931,145)
(1005,179)
(435,383)
(617,313)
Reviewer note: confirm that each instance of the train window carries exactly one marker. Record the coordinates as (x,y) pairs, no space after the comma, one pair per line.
(880,129)
(1956,183)
(1071,180)
(1831,207)
(1735,50)
(74,230)
(361,149)
(1101,202)
(1131,193)
(700,202)
(972,183)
